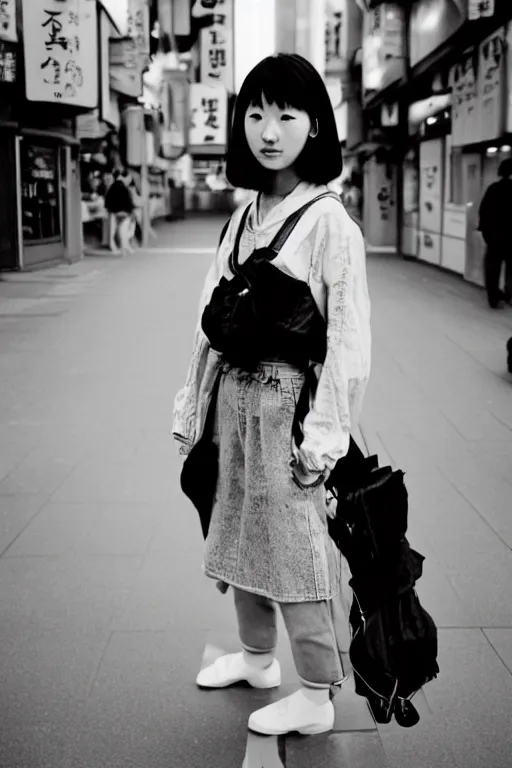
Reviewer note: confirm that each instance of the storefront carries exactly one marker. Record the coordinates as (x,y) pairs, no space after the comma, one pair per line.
(383,66)
(42,209)
(481,138)
(39,151)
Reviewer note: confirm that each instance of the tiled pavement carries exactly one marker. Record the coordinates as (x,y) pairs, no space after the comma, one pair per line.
(104,612)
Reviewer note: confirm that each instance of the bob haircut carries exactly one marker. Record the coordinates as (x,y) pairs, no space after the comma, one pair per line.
(288,80)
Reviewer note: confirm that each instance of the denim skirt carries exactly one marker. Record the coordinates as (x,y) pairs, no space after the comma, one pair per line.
(267,534)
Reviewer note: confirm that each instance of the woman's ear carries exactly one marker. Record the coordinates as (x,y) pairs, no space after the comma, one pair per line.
(313,133)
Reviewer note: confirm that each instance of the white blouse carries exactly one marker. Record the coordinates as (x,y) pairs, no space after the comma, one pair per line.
(326,249)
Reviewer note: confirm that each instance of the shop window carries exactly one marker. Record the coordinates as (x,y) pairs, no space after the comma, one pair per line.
(39,192)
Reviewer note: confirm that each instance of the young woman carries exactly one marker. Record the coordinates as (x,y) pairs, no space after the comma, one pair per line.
(268,535)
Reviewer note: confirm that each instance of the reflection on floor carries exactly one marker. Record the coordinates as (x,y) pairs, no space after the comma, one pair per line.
(264,751)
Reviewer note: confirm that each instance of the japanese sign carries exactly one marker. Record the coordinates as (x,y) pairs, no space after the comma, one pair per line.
(465,104)
(217,48)
(208,118)
(383,47)
(478,85)
(138,28)
(7,62)
(335,24)
(129,55)
(479,9)
(491,86)
(8,20)
(431,185)
(60,47)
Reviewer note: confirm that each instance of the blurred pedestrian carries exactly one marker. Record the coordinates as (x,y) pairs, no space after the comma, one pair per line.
(138,209)
(119,204)
(495,214)
(268,535)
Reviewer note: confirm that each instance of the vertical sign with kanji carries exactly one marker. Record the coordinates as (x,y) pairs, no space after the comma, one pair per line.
(61,51)
(208,118)
(335,36)
(138,29)
(8,62)
(217,48)
(8,21)
(491,86)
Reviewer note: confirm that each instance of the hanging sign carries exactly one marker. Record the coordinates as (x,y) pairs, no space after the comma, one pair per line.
(383,47)
(480,9)
(60,51)
(137,25)
(125,73)
(478,84)
(335,37)
(217,49)
(129,55)
(8,62)
(491,86)
(8,21)
(208,119)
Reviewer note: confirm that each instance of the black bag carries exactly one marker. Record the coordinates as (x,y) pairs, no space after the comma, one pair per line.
(394,640)
(262,312)
(201,467)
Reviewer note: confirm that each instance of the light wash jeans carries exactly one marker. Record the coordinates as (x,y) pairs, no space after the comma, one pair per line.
(267,535)
(313,628)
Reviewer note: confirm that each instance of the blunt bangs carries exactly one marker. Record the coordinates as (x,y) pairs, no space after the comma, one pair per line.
(271,79)
(289,81)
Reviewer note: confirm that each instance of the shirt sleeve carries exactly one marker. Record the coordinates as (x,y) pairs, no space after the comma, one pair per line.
(185,403)
(339,263)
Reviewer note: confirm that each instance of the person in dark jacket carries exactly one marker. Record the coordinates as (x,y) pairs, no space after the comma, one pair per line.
(119,204)
(495,213)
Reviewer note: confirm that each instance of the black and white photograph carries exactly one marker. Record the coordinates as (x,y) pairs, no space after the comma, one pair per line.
(255,383)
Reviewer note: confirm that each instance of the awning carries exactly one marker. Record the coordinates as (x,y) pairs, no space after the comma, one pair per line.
(420,110)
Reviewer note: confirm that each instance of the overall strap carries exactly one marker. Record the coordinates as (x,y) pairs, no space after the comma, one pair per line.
(233,256)
(292,221)
(209,423)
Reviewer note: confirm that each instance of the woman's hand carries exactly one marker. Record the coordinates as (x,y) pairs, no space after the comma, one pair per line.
(307,479)
(303,476)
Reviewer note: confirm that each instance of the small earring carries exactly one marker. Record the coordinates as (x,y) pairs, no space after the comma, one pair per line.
(313,135)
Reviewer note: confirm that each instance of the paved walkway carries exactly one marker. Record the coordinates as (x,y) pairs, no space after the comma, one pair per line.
(104,612)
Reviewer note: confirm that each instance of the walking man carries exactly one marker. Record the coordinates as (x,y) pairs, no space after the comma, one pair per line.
(495,214)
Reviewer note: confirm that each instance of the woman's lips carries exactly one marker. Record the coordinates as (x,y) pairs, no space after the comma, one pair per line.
(271,152)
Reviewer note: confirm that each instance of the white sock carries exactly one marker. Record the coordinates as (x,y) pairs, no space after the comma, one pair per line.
(316,695)
(259,660)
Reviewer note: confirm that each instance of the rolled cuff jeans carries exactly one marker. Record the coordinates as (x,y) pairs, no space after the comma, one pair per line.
(312,628)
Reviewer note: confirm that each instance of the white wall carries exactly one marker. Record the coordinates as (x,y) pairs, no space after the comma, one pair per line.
(118,10)
(254,35)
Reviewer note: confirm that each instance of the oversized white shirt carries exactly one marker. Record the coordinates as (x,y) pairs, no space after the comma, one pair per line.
(326,249)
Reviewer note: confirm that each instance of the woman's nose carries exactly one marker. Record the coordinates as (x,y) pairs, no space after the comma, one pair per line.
(270,131)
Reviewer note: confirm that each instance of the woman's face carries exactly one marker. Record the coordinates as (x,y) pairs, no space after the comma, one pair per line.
(276,137)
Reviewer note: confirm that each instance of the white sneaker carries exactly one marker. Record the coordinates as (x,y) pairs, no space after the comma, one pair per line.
(233,668)
(293,713)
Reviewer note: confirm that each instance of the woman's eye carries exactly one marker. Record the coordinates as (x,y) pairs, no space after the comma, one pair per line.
(287,117)
(255,116)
